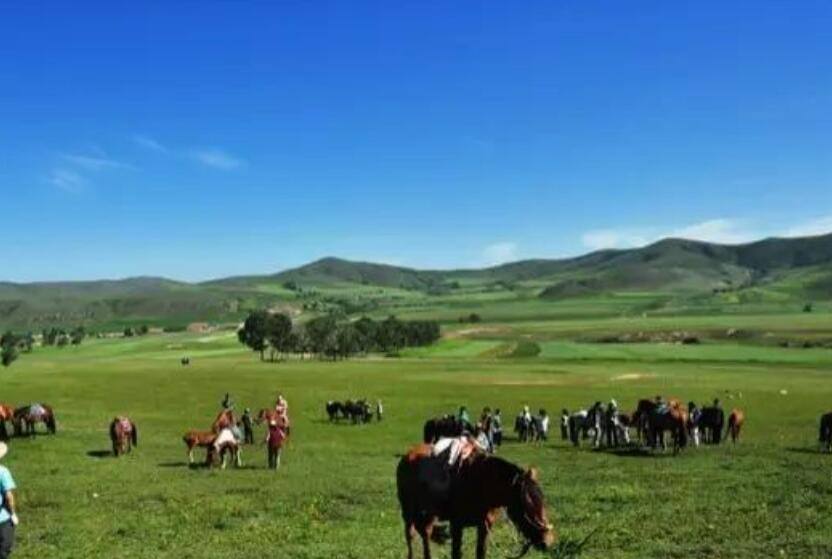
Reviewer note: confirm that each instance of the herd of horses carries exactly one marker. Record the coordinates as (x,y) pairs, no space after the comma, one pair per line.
(24,420)
(356,411)
(653,422)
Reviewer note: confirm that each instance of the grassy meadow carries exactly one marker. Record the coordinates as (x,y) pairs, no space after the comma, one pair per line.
(334,496)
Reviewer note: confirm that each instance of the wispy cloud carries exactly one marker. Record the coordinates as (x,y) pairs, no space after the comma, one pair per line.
(500,253)
(718,230)
(815,226)
(67,180)
(94,163)
(216,158)
(149,143)
(613,238)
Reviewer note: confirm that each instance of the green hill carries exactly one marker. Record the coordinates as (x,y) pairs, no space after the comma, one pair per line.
(798,269)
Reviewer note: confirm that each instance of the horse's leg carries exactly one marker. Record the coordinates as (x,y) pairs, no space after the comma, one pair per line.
(424,533)
(482,541)
(456,540)
(408,538)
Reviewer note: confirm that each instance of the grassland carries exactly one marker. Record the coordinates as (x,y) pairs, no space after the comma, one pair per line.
(767,497)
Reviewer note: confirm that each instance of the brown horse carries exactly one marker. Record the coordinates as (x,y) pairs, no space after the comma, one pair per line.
(735,421)
(674,419)
(224,420)
(124,435)
(482,487)
(25,418)
(202,439)
(6,416)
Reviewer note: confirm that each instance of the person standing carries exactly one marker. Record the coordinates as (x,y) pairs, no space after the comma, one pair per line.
(8,514)
(274,441)
(543,425)
(497,428)
(564,424)
(248,427)
(379,410)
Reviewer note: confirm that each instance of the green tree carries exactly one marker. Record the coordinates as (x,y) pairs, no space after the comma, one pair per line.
(254,332)
(128,332)
(8,348)
(321,332)
(143,330)
(77,335)
(279,332)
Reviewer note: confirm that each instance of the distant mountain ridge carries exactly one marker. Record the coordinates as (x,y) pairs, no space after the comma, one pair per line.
(670,265)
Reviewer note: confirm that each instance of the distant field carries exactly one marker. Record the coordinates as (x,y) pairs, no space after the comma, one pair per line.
(767,497)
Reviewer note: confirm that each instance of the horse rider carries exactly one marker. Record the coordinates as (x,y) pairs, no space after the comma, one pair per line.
(281,406)
(248,426)
(227,403)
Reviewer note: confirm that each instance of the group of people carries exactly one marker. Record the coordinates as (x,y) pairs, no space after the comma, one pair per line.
(529,427)
(603,424)
(242,431)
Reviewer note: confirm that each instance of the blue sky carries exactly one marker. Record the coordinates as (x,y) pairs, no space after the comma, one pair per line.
(203,139)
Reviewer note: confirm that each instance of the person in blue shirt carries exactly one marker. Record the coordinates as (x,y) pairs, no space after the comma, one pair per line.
(8,515)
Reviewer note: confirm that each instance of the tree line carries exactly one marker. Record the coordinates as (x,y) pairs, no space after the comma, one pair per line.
(326,337)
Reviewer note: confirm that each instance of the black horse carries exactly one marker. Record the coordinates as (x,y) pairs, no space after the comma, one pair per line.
(825,438)
(359,411)
(335,410)
(711,423)
(444,427)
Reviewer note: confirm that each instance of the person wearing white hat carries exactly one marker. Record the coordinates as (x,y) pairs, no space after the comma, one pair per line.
(8,516)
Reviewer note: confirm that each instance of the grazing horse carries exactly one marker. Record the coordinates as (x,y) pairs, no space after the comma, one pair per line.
(25,418)
(482,486)
(825,437)
(224,420)
(674,419)
(6,416)
(735,421)
(124,435)
(358,411)
(442,428)
(202,439)
(711,422)
(335,410)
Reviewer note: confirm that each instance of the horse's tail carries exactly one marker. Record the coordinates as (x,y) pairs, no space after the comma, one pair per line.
(134,434)
(51,423)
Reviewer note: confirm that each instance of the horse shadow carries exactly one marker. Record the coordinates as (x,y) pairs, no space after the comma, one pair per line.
(637,452)
(100,453)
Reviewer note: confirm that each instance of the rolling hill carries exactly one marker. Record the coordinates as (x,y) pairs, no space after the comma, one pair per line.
(793,269)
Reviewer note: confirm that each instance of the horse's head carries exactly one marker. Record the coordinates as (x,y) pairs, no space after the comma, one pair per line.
(527,511)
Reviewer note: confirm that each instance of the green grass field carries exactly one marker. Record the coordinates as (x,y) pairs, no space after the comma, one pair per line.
(769,496)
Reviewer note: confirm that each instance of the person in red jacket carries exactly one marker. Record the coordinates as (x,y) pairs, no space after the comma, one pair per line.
(274,441)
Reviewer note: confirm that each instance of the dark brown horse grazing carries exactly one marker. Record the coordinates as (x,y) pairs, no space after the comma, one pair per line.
(202,439)
(123,434)
(6,417)
(224,420)
(25,418)
(675,420)
(484,485)
(825,436)
(735,421)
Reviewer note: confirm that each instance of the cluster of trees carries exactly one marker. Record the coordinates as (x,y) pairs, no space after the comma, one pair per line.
(326,337)
(142,330)
(60,338)
(12,344)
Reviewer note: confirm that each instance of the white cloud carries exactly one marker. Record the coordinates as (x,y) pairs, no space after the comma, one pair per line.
(68,181)
(217,158)
(612,238)
(499,253)
(816,226)
(723,231)
(149,143)
(93,163)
